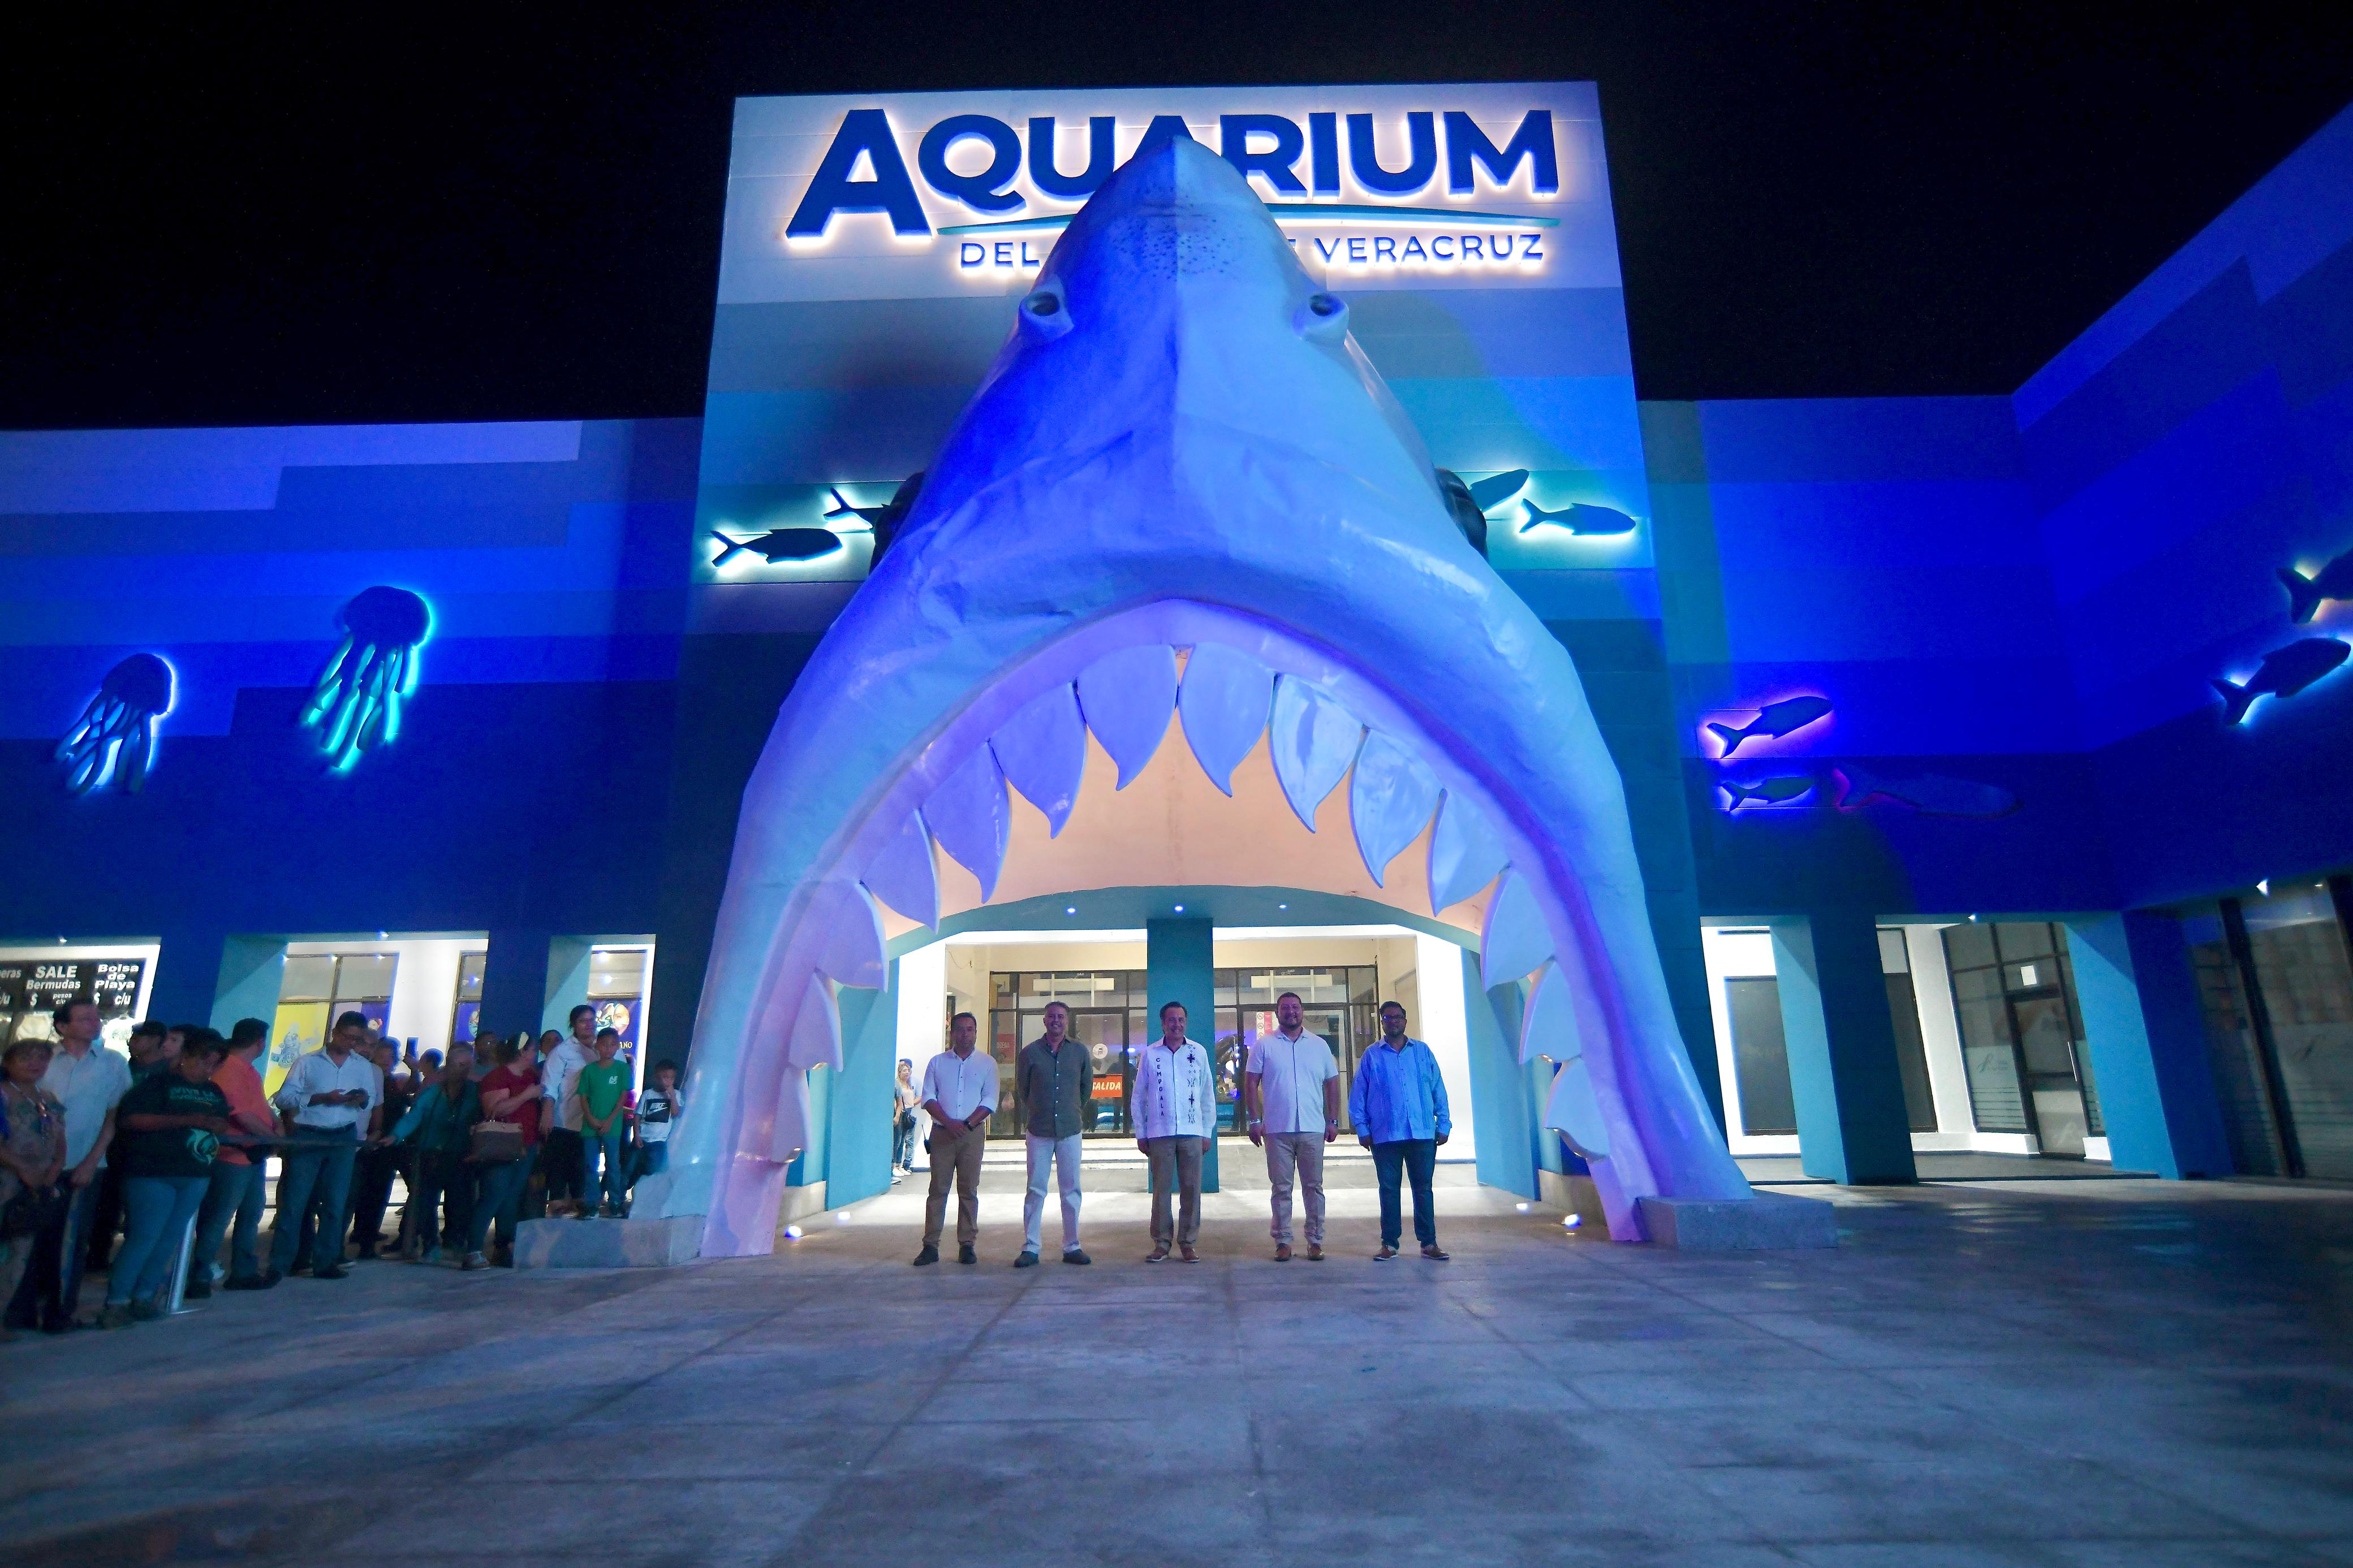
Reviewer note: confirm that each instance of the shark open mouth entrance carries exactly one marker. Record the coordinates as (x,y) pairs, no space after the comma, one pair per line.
(1182,497)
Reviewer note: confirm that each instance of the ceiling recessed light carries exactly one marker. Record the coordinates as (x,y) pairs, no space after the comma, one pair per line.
(1282,906)
(1180,909)
(1070,909)
(2264,887)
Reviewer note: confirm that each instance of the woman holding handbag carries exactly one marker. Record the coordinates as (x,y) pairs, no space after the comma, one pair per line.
(32,1159)
(505,1144)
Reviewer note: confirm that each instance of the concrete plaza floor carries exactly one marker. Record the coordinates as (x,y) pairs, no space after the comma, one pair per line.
(2110,1372)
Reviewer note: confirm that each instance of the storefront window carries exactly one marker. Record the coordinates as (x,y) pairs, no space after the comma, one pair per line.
(314,990)
(466,1017)
(31,988)
(2021,1033)
(617,989)
(2284,1056)
(1760,1055)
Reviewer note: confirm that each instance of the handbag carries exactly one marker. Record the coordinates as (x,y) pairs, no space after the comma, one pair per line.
(34,1210)
(495,1143)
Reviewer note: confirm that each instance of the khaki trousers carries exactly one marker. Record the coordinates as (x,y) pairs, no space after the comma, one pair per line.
(954,1153)
(1302,1153)
(1176,1164)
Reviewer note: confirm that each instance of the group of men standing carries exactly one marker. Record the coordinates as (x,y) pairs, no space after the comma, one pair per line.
(1290,1104)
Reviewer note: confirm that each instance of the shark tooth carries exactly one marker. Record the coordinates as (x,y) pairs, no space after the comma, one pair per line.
(1043,750)
(1126,697)
(1224,703)
(1572,1110)
(816,1040)
(1465,854)
(849,928)
(903,875)
(1390,798)
(1516,938)
(1314,740)
(1548,1025)
(970,817)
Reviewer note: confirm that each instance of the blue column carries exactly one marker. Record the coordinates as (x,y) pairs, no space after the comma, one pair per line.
(2147,1039)
(188,975)
(857,1162)
(1179,966)
(567,981)
(1501,1096)
(515,979)
(250,970)
(1852,1124)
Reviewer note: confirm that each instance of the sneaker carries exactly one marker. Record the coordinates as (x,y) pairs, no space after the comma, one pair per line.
(247,1282)
(1314,1252)
(1159,1253)
(929,1255)
(966,1255)
(1282,1252)
(1027,1260)
(114,1317)
(331,1271)
(197,1290)
(1434,1254)
(474,1260)
(1385,1254)
(1077,1254)
(1188,1253)
(147,1313)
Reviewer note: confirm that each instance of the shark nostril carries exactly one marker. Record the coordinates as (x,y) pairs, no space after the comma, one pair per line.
(1042,313)
(1323,304)
(1043,305)
(1322,316)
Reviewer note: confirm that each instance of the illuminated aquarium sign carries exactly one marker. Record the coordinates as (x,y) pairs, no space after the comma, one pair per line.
(1421,181)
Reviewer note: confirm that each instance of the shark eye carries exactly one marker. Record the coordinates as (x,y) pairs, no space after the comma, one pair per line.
(1324,316)
(1043,314)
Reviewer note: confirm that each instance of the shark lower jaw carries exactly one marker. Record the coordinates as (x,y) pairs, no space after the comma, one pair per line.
(1486,743)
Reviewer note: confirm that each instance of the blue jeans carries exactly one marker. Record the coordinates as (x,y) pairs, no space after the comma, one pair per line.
(602,1152)
(902,1144)
(321,1162)
(235,1193)
(502,1190)
(1415,1160)
(157,1211)
(652,1159)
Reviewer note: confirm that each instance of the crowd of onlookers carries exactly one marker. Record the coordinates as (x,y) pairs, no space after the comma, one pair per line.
(147,1167)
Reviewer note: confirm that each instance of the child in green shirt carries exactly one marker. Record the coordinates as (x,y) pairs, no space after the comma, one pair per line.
(603,1085)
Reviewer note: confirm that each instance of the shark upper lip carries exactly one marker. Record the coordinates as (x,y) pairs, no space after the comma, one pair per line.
(1179,454)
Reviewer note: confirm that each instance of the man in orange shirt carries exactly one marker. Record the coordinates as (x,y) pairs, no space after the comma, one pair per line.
(236,1190)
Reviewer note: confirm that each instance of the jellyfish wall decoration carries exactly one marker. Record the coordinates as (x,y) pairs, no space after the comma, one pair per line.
(356,703)
(115,739)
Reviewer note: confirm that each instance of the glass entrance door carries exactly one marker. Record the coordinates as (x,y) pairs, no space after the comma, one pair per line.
(1104,1034)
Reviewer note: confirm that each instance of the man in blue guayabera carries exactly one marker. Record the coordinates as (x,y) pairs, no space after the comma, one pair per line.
(1398,1105)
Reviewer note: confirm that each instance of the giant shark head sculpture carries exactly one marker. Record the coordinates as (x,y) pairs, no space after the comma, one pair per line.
(1181,460)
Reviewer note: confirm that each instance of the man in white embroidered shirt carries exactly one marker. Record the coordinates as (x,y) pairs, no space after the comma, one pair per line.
(1291,1098)
(1175,1107)
(960,1093)
(332,1099)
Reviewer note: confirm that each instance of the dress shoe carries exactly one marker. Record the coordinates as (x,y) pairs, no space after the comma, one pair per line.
(929,1255)
(1027,1260)
(1314,1252)
(1077,1254)
(966,1255)
(1282,1252)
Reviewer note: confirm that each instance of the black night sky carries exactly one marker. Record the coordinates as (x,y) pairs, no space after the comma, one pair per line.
(506,212)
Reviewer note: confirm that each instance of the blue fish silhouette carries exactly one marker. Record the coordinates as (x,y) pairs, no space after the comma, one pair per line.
(779,544)
(1589,522)
(1772,791)
(2334,581)
(1931,794)
(1772,722)
(2284,673)
(1497,489)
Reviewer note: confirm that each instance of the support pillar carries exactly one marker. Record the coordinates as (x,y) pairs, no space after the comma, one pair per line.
(188,975)
(1853,1128)
(2147,1035)
(1179,966)
(515,976)
(250,970)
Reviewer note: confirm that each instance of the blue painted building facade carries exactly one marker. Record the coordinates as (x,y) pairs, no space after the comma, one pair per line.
(2016,608)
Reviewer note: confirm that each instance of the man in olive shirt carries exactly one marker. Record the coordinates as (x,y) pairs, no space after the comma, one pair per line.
(1053,1078)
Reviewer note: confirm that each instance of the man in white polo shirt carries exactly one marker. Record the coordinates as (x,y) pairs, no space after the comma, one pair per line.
(1290,1096)
(331,1099)
(88,1081)
(960,1093)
